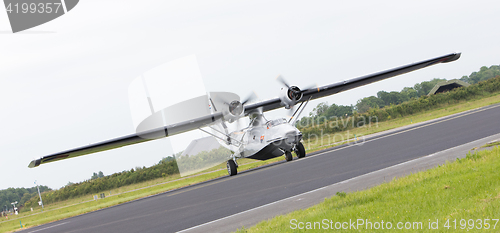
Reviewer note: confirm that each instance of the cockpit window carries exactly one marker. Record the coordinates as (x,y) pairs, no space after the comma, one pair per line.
(276,122)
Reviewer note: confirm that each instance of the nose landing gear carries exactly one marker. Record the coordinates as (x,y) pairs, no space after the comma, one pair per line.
(232,167)
(299,151)
(288,156)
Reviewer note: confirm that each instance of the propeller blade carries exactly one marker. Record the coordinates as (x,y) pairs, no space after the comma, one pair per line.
(251,97)
(282,81)
(302,90)
(310,87)
(220,98)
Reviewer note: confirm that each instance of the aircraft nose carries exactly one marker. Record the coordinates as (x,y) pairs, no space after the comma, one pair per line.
(292,137)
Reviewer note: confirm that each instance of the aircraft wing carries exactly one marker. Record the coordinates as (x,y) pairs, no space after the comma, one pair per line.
(129,139)
(338,87)
(266,105)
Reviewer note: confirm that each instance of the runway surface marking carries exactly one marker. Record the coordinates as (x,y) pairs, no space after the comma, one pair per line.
(49,227)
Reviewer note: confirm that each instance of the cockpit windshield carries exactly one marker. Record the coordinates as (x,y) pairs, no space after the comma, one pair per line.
(276,122)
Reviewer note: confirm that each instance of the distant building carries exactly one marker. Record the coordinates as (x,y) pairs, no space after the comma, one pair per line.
(447,86)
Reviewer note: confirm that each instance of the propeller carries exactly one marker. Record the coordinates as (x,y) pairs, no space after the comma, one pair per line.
(294,89)
(236,107)
(235,103)
(249,98)
(295,93)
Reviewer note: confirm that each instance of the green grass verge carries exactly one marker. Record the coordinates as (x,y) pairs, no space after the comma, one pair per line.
(491,144)
(467,189)
(81,205)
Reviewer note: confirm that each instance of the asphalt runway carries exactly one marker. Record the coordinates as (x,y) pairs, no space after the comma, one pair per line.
(209,201)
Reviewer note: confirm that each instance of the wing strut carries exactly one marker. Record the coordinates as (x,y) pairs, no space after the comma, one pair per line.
(293,120)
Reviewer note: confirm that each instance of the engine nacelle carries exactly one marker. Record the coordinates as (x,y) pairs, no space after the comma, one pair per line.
(290,96)
(233,111)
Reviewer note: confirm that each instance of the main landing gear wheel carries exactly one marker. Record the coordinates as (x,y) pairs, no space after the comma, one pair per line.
(288,156)
(300,151)
(231,167)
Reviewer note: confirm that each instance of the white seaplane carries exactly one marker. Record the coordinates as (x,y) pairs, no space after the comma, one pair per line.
(262,139)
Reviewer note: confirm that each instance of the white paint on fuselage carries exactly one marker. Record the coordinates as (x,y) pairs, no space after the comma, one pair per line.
(255,138)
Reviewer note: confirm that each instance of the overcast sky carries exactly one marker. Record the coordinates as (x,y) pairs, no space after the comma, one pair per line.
(64,84)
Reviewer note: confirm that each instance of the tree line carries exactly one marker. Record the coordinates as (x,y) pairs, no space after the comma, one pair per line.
(21,195)
(483,74)
(384,98)
(324,111)
(99,183)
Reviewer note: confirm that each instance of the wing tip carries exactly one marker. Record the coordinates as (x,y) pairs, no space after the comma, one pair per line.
(34,163)
(456,56)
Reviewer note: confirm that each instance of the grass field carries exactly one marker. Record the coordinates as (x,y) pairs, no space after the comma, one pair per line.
(80,205)
(460,196)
